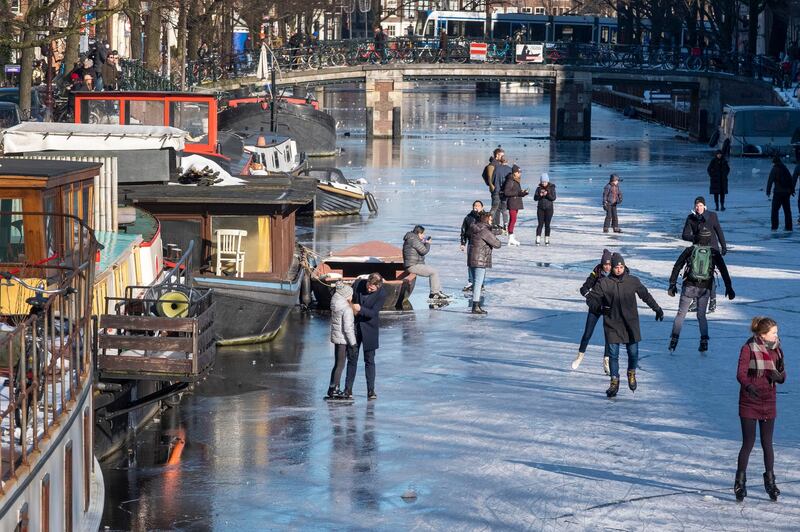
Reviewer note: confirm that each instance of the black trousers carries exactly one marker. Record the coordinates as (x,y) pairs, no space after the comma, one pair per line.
(611,217)
(339,358)
(778,203)
(352,367)
(766,427)
(543,216)
(719,199)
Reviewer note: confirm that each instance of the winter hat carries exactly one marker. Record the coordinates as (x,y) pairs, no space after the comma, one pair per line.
(545,178)
(515,169)
(699,199)
(703,237)
(616,260)
(344,290)
(606,258)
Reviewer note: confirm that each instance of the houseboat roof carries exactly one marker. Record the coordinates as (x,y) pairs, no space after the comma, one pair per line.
(45,173)
(44,136)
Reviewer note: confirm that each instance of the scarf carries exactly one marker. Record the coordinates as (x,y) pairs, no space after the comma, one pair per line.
(760,359)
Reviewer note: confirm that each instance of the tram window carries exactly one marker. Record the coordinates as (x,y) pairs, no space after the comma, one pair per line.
(473,29)
(144,112)
(537,32)
(100,111)
(502,30)
(191,117)
(428,29)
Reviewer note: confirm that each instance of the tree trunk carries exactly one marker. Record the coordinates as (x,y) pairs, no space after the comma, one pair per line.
(487,31)
(152,38)
(754,9)
(25,77)
(180,58)
(134,13)
(193,37)
(73,39)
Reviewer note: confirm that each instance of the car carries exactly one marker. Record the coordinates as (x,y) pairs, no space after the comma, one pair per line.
(11,95)
(10,115)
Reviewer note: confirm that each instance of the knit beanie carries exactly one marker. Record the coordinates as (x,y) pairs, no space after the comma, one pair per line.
(616,260)
(545,178)
(699,199)
(606,257)
(344,290)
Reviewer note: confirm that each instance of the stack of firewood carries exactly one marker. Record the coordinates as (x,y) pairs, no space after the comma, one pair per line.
(202,178)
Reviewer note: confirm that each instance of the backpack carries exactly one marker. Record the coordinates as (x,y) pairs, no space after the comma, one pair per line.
(488,174)
(699,267)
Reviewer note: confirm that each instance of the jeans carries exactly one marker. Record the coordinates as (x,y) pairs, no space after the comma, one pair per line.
(352,367)
(340,352)
(500,205)
(611,217)
(544,216)
(613,357)
(588,330)
(688,293)
(423,270)
(783,202)
(478,276)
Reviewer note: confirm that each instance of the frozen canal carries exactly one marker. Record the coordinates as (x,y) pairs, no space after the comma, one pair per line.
(481,416)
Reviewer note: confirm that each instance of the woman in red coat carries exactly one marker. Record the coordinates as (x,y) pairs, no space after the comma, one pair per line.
(760,369)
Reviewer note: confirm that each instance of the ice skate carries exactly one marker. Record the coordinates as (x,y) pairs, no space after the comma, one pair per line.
(632,379)
(476,309)
(703,344)
(613,388)
(770,487)
(547,241)
(537,241)
(512,240)
(577,361)
(673,343)
(740,486)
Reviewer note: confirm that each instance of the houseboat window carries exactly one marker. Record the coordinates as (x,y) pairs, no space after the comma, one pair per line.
(191,117)
(144,112)
(289,154)
(100,111)
(24,519)
(256,245)
(276,160)
(12,235)
(180,233)
(45,504)
(764,123)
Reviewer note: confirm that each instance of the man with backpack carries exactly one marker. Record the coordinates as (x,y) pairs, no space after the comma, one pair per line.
(494,175)
(781,178)
(701,218)
(699,262)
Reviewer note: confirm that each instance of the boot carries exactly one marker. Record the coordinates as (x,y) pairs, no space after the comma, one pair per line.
(703,344)
(578,360)
(740,485)
(537,240)
(605,229)
(632,379)
(332,391)
(606,366)
(613,388)
(476,309)
(769,485)
(673,343)
(712,305)
(617,230)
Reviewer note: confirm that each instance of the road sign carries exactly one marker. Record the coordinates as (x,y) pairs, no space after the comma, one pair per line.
(12,69)
(477,51)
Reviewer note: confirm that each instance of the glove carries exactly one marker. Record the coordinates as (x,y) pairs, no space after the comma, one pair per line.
(775,376)
(672,290)
(730,293)
(659,314)
(779,365)
(524,193)
(724,250)
(751,391)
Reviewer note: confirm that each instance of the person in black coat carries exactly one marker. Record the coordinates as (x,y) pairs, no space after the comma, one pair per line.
(482,241)
(781,179)
(368,299)
(718,171)
(471,217)
(701,218)
(544,197)
(602,270)
(615,297)
(513,193)
(697,287)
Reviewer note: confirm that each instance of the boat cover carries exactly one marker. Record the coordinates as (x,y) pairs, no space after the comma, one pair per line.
(372,251)
(43,136)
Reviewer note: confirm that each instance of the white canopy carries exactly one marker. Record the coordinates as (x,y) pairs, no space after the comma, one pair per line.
(43,136)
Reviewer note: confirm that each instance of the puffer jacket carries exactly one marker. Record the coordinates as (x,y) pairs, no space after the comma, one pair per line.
(481,243)
(469,219)
(512,191)
(414,250)
(545,196)
(343,331)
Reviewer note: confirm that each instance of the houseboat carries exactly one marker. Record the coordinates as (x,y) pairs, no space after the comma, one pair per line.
(757,130)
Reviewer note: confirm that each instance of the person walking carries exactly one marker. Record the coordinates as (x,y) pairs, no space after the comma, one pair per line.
(781,179)
(718,171)
(343,335)
(494,175)
(415,246)
(379,40)
(545,195)
(471,217)
(612,196)
(479,258)
(615,297)
(602,270)
(513,193)
(760,369)
(701,218)
(698,262)
(368,299)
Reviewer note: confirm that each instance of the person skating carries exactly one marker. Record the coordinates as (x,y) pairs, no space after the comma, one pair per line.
(761,367)
(612,196)
(471,217)
(545,195)
(479,256)
(602,270)
(698,262)
(494,175)
(368,299)
(513,193)
(615,297)
(781,179)
(698,219)
(415,246)
(343,335)
(718,170)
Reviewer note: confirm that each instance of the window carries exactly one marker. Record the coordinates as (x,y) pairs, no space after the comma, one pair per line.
(191,117)
(15,7)
(68,487)
(256,245)
(143,112)
(180,233)
(528,9)
(390,30)
(100,111)
(12,234)
(538,11)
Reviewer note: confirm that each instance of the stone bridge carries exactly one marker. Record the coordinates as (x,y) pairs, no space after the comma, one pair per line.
(570,89)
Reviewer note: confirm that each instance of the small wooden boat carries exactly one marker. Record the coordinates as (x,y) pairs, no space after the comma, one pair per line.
(357,262)
(336,195)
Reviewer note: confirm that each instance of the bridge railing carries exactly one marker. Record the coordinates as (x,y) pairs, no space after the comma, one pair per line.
(329,54)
